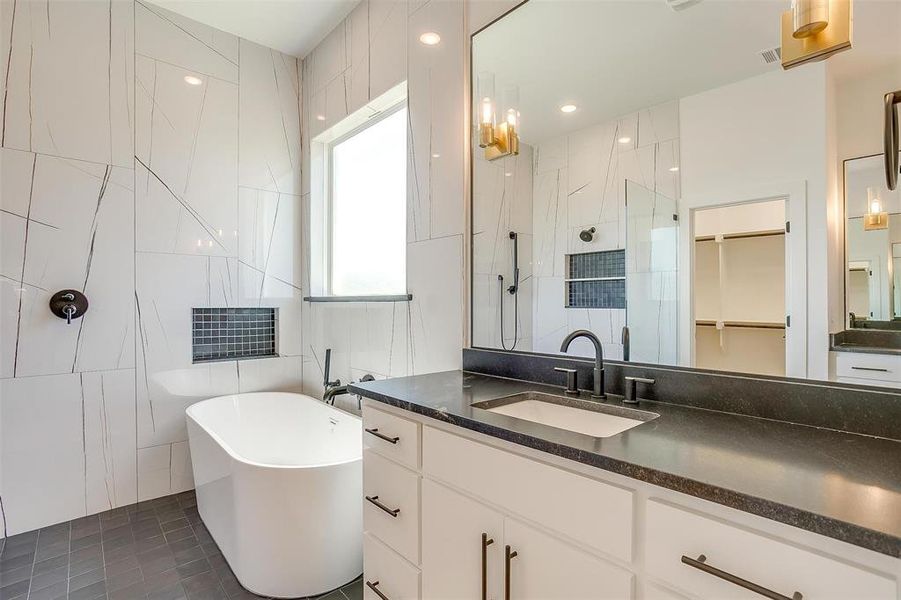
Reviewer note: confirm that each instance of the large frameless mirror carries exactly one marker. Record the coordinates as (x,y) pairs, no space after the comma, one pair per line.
(649,171)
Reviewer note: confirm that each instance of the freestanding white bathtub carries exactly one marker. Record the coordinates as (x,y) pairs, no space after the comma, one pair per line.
(279,483)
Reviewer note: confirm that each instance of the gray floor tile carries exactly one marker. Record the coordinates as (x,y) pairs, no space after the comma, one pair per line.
(156,550)
(51,592)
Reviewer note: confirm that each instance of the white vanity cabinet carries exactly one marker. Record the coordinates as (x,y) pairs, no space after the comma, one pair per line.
(468,548)
(575,532)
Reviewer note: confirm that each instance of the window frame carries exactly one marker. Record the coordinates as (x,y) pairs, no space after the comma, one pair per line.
(329,197)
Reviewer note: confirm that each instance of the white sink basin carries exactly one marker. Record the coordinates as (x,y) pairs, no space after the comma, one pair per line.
(571,414)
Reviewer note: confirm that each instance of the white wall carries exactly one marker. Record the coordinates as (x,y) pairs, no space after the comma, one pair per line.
(113,168)
(738,137)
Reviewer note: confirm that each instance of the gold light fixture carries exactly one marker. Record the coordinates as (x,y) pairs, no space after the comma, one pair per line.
(876,217)
(815,30)
(498,140)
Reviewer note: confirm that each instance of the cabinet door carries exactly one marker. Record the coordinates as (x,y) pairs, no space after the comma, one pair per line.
(452,528)
(545,567)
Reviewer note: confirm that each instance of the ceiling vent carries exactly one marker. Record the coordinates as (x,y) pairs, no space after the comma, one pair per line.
(771,55)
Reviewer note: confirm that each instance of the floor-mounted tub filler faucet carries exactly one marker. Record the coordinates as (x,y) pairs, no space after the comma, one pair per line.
(598,391)
(334,388)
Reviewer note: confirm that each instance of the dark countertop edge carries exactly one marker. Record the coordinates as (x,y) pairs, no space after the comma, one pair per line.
(856,535)
(859,349)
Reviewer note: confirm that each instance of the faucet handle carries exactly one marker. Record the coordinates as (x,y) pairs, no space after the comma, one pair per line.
(629,397)
(572,386)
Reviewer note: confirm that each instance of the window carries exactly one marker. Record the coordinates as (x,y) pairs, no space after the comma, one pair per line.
(367,208)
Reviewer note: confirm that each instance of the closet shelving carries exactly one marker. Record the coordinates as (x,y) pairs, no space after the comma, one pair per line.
(740,300)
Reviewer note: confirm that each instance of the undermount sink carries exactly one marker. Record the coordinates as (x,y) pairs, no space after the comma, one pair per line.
(571,414)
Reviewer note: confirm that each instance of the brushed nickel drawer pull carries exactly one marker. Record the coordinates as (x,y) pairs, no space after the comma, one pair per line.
(870,369)
(375,431)
(391,511)
(373,585)
(700,563)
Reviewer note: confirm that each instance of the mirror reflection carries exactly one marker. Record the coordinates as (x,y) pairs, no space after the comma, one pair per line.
(873,231)
(653,174)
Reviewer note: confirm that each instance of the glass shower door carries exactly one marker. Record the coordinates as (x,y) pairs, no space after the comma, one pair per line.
(652,268)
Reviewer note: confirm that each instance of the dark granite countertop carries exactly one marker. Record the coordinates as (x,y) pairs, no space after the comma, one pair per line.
(842,485)
(863,349)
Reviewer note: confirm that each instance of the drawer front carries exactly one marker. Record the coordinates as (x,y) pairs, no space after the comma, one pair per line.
(392,436)
(594,513)
(387,572)
(778,566)
(391,504)
(881,367)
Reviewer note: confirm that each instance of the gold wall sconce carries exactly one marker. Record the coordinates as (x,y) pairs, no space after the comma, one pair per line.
(876,217)
(814,30)
(497,139)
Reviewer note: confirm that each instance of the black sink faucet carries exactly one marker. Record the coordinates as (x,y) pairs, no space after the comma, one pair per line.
(598,358)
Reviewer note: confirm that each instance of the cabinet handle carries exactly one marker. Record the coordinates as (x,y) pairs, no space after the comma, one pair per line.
(373,585)
(870,369)
(391,511)
(508,556)
(486,541)
(700,563)
(375,431)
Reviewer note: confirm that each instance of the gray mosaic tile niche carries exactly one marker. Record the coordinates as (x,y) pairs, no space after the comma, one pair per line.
(596,280)
(233,333)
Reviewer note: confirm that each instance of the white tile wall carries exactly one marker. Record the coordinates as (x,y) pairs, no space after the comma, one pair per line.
(119,179)
(375,48)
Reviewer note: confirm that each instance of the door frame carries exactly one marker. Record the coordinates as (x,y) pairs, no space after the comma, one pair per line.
(795,197)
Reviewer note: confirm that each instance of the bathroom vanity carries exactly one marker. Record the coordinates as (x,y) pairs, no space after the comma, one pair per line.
(466,502)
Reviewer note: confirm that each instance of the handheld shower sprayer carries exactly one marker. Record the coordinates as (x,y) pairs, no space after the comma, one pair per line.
(515,287)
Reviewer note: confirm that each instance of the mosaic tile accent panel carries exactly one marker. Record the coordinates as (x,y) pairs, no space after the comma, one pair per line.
(593,265)
(232,333)
(605,293)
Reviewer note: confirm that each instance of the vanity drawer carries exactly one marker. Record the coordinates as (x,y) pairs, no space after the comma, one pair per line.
(392,436)
(586,510)
(395,578)
(391,504)
(881,367)
(778,566)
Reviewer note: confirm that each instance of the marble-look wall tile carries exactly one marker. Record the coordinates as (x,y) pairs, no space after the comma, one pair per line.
(269,129)
(181,474)
(68,79)
(357,51)
(281,374)
(379,340)
(259,290)
(435,278)
(154,471)
(42,450)
(111,477)
(387,45)
(618,178)
(171,38)
(436,101)
(167,381)
(85,245)
(186,141)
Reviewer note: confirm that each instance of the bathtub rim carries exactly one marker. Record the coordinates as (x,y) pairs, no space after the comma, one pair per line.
(235,456)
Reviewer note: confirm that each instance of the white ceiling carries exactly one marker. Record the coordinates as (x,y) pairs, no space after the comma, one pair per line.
(614,57)
(292,26)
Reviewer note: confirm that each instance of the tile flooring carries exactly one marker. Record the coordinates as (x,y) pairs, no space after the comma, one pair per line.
(154,550)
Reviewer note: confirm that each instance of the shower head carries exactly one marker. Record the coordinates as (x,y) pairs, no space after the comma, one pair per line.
(587,235)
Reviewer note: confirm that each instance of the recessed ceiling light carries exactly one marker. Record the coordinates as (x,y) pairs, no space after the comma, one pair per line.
(568,108)
(508,174)
(430,38)
(320,117)
(673,169)
(191,80)
(624,140)
(436,156)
